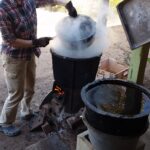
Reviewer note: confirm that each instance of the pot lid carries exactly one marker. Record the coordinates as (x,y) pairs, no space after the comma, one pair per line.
(76,29)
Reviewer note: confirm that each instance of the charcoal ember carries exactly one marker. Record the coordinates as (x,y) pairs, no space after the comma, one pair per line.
(49,112)
(47,128)
(37,121)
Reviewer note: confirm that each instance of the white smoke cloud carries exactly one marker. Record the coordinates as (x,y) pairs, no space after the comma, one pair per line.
(63,48)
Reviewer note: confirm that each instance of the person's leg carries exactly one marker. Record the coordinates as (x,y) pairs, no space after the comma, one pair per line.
(14,71)
(29,88)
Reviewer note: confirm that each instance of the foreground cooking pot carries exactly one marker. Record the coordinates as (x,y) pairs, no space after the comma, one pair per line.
(102,92)
(76,32)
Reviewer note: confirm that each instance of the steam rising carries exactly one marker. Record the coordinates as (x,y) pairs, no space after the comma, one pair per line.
(71,29)
(68,42)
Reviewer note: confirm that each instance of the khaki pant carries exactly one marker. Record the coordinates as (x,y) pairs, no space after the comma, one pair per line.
(20,80)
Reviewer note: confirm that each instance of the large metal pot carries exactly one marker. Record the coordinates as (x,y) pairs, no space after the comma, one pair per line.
(71,75)
(101,92)
(76,32)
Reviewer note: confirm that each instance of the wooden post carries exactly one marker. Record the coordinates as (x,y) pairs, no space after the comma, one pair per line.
(138,63)
(136,74)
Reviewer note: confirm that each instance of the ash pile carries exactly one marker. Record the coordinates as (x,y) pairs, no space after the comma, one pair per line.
(52,117)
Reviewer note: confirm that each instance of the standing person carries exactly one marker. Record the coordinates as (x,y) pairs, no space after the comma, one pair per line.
(18,24)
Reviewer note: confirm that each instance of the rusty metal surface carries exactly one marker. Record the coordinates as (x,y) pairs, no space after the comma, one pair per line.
(135,17)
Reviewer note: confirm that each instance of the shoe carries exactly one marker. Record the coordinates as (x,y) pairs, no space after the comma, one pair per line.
(10,131)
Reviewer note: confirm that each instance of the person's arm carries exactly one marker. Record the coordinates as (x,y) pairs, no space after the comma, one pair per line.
(20,43)
(9,37)
(6,28)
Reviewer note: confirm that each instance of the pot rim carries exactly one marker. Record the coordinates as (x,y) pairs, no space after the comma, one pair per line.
(120,82)
(73,59)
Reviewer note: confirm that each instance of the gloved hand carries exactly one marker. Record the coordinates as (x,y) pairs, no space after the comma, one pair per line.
(41,42)
(71,9)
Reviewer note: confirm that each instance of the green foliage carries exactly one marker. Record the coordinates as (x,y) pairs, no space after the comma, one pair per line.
(55,8)
(58,8)
(114,3)
(148,60)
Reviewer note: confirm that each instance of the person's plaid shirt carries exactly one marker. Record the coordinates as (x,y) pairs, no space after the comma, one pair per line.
(19,22)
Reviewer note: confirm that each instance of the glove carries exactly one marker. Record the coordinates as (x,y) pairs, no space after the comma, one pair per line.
(71,9)
(41,42)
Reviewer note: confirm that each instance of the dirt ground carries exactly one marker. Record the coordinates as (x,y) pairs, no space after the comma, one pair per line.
(118,49)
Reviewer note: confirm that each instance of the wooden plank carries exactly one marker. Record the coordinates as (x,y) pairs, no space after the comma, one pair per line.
(83,143)
(138,63)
